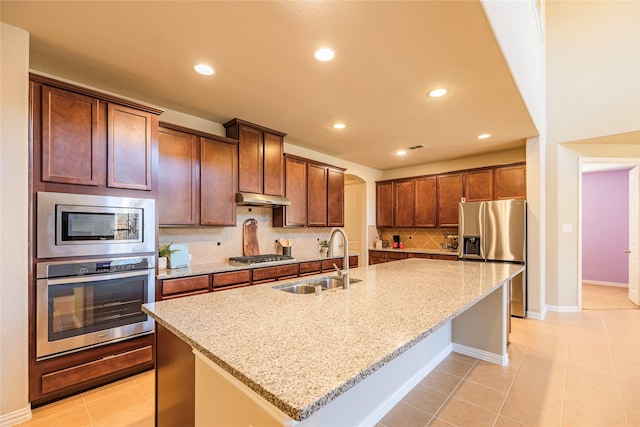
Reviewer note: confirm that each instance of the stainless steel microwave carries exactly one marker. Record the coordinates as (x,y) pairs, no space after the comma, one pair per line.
(79,224)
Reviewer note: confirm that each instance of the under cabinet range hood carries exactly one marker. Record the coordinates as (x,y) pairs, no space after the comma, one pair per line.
(255,199)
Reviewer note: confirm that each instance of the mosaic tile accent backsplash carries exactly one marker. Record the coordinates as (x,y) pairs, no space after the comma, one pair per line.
(217,244)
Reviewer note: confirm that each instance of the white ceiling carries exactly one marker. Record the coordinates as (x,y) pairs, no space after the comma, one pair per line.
(388,56)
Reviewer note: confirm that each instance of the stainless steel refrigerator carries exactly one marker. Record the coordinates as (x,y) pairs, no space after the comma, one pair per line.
(497,231)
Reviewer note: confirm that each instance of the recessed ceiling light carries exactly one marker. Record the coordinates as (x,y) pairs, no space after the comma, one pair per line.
(204,69)
(324,54)
(483,136)
(401,153)
(339,126)
(436,93)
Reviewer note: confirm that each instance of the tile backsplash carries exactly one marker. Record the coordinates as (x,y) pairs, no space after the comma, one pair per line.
(217,244)
(418,238)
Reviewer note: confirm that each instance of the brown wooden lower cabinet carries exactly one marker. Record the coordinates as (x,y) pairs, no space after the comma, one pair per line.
(62,376)
(378,257)
(310,267)
(184,286)
(232,279)
(278,272)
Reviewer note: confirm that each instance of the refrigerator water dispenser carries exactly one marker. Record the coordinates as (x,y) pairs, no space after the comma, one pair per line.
(471,246)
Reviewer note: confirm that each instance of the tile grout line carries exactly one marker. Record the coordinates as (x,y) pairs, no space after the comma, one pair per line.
(606,334)
(453,391)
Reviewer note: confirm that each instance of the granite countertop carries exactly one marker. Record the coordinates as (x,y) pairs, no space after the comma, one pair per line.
(300,352)
(223,266)
(417,251)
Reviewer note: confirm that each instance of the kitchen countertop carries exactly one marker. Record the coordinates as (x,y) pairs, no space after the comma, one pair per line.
(300,352)
(224,266)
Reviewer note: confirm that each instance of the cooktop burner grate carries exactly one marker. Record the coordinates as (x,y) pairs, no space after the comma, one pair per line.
(256,259)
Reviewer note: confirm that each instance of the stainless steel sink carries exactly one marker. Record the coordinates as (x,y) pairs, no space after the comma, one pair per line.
(309,286)
(299,289)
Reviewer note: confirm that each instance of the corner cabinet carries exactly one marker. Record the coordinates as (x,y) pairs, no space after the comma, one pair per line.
(260,153)
(83,137)
(316,191)
(198,173)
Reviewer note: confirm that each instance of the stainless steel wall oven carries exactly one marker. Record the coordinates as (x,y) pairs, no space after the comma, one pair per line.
(84,303)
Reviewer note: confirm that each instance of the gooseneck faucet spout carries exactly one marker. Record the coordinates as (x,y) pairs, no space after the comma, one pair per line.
(344,273)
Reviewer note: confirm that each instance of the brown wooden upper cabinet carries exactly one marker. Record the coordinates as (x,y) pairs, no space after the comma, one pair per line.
(449,194)
(179,180)
(84,137)
(316,191)
(384,204)
(478,185)
(294,215)
(403,205)
(198,173)
(510,182)
(432,201)
(425,202)
(260,157)
(335,197)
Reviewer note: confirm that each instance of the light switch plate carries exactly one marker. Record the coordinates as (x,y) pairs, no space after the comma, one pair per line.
(567,228)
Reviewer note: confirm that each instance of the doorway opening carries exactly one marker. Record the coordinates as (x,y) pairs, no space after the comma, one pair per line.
(608,228)
(355,216)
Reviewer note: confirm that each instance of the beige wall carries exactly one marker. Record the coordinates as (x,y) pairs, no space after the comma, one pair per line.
(14,152)
(593,111)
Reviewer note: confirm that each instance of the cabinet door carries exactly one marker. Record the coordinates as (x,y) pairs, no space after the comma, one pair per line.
(178,178)
(384,204)
(403,192)
(129,144)
(478,185)
(335,197)
(294,215)
(71,150)
(250,160)
(425,202)
(449,195)
(316,195)
(510,182)
(273,164)
(377,257)
(218,184)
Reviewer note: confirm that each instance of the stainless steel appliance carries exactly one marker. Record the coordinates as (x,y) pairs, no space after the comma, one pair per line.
(84,303)
(86,225)
(497,231)
(256,259)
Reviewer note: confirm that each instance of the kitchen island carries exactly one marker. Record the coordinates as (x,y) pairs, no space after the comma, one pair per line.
(344,356)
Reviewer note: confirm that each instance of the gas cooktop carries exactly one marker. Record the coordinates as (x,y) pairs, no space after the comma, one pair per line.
(256,259)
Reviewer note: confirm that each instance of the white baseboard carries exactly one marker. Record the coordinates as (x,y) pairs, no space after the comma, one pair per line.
(563,308)
(599,283)
(498,359)
(536,316)
(16,417)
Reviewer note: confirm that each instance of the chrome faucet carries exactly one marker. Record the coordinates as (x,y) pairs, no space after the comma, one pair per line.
(344,273)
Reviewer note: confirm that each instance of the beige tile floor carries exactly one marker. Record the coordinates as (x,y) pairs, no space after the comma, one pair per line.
(128,402)
(572,369)
(599,297)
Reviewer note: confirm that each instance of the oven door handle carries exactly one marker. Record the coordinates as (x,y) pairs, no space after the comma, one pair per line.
(96,278)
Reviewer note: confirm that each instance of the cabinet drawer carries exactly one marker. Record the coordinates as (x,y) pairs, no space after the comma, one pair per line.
(274,273)
(310,267)
(327,264)
(187,284)
(445,257)
(394,256)
(231,278)
(418,255)
(92,370)
(354,261)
